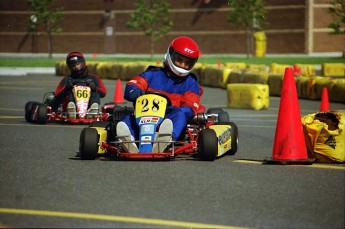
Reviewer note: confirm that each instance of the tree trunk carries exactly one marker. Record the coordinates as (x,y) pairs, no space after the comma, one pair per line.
(152,49)
(50,49)
(249,42)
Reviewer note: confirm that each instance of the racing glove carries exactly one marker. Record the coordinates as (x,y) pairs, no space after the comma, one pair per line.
(69,85)
(134,94)
(93,87)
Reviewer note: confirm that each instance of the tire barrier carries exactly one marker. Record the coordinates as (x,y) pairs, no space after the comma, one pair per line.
(309,85)
(333,69)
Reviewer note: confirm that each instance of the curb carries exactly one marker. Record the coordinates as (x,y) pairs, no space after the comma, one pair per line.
(23,71)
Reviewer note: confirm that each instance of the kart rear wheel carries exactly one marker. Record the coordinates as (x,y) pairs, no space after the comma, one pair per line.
(42,117)
(103,124)
(28,110)
(234,138)
(208,145)
(88,144)
(223,116)
(215,110)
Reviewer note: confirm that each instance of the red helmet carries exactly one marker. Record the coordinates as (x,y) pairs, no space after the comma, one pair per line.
(183,48)
(74,58)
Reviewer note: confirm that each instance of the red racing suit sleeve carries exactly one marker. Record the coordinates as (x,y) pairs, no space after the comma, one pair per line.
(61,86)
(100,87)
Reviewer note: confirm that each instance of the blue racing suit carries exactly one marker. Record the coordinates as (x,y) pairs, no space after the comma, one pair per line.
(184,93)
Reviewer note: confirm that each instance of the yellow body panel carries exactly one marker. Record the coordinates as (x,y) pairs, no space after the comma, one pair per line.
(223,133)
(103,134)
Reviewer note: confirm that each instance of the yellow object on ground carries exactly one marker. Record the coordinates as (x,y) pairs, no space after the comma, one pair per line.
(250,96)
(324,136)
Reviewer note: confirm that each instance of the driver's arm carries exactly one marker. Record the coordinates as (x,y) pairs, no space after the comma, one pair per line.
(135,87)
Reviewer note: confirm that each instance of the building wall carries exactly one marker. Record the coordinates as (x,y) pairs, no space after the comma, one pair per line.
(294,26)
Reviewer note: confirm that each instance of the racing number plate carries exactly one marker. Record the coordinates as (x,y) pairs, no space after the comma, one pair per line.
(81,93)
(150,105)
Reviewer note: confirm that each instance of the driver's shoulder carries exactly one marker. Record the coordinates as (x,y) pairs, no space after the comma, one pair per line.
(153,68)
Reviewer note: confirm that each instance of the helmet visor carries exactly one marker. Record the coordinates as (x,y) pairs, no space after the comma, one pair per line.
(182,61)
(75,63)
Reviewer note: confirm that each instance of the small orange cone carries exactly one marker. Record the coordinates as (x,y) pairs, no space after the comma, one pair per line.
(118,94)
(289,144)
(297,70)
(324,106)
(219,64)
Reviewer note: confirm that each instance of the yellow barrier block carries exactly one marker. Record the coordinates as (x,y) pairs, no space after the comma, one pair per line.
(235,65)
(305,69)
(275,83)
(278,68)
(212,76)
(333,69)
(337,91)
(258,77)
(257,67)
(249,96)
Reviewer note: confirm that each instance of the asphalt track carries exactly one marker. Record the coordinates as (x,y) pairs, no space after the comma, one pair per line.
(43,184)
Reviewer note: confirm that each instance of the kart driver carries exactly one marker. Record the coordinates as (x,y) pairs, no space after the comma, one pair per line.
(176,81)
(79,74)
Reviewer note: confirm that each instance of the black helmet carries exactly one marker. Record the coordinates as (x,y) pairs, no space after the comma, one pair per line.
(74,58)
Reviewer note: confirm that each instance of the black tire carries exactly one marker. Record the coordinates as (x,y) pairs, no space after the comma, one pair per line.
(214,110)
(88,145)
(223,116)
(28,110)
(234,139)
(208,145)
(103,124)
(42,117)
(120,112)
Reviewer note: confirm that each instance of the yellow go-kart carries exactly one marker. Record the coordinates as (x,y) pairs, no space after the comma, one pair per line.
(209,136)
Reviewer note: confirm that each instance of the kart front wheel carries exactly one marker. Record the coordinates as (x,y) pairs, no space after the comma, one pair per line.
(88,144)
(208,145)
(234,138)
(28,110)
(42,117)
(214,110)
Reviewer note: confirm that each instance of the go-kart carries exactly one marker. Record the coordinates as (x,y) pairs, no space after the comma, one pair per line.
(208,136)
(41,112)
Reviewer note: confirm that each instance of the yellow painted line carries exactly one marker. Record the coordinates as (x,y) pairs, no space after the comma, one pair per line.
(248,161)
(11,109)
(9,116)
(114,218)
(256,126)
(261,120)
(255,115)
(314,165)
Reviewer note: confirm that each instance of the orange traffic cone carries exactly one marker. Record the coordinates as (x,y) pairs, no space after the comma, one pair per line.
(324,106)
(118,94)
(289,144)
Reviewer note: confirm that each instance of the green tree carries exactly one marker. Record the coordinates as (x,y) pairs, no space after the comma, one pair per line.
(249,15)
(153,17)
(47,17)
(337,11)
